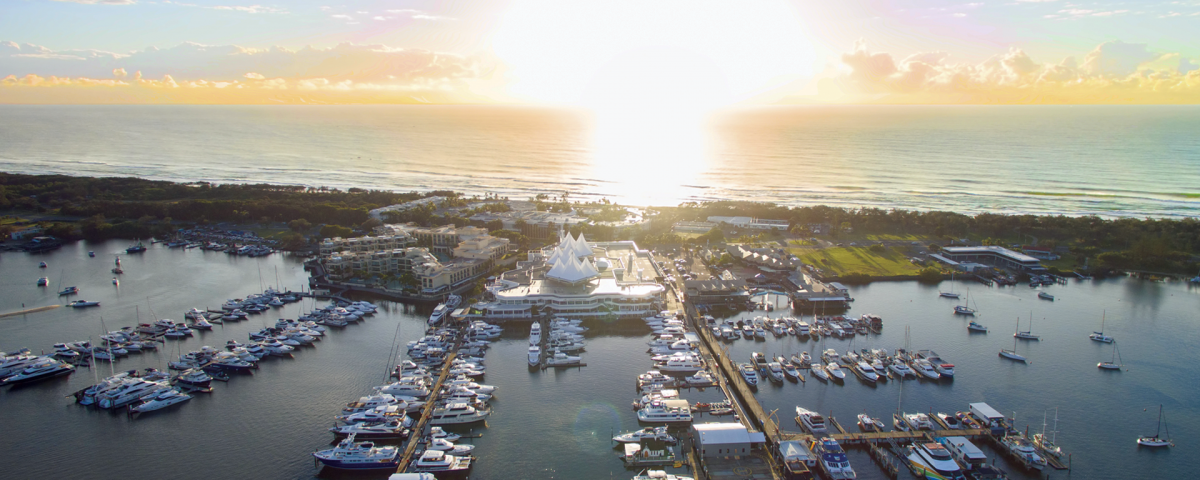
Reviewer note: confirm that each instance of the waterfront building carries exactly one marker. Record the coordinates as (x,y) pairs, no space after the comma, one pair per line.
(366,244)
(994,255)
(717,291)
(715,440)
(751,222)
(575,279)
(693,227)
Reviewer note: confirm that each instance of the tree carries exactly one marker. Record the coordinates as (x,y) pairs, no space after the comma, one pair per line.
(300,225)
(929,275)
(330,231)
(370,224)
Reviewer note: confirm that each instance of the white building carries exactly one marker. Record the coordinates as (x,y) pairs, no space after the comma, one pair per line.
(715,440)
(751,222)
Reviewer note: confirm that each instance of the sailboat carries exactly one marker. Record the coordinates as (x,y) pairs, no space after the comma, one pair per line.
(1028,334)
(951,293)
(964,309)
(1012,354)
(1156,440)
(1047,444)
(1100,336)
(1113,364)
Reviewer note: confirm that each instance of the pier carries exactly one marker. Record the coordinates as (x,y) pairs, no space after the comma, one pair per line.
(418,430)
(29,310)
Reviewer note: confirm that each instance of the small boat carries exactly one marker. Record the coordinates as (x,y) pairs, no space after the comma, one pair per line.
(1100,336)
(351,455)
(91,253)
(82,304)
(449,447)
(43,282)
(118,270)
(69,291)
(1157,440)
(1045,296)
(869,424)
(835,372)
(950,421)
(115,282)
(42,265)
(139,248)
(963,310)
(434,461)
(659,475)
(977,327)
(812,421)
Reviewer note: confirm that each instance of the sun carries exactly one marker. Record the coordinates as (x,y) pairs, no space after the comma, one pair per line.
(650,55)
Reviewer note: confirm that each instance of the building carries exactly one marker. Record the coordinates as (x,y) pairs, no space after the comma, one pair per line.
(379,213)
(993,255)
(751,222)
(693,227)
(432,275)
(576,279)
(716,440)
(717,291)
(26,232)
(366,244)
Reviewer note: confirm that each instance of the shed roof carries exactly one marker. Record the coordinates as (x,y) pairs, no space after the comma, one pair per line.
(725,433)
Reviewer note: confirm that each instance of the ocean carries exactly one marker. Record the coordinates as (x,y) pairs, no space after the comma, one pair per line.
(556,424)
(1137,161)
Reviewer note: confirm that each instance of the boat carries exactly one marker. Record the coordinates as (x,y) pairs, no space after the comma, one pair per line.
(964,309)
(951,293)
(700,379)
(449,447)
(351,455)
(833,459)
(658,434)
(1157,440)
(115,282)
(193,378)
(865,371)
(1046,444)
(977,327)
(535,355)
(117,270)
(1028,334)
(818,371)
(1112,364)
(925,368)
(139,248)
(1045,296)
(83,304)
(1021,448)
(811,420)
(1100,336)
(437,461)
(456,414)
(42,265)
(748,374)
(944,368)
(1012,354)
(774,372)
(390,429)
(43,282)
(869,424)
(932,461)
(918,421)
(560,359)
(659,475)
(40,369)
(950,421)
(91,253)
(665,411)
(69,291)
(439,313)
(164,399)
(535,334)
(835,372)
(792,373)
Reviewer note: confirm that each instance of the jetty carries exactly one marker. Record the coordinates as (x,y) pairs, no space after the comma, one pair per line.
(419,430)
(29,310)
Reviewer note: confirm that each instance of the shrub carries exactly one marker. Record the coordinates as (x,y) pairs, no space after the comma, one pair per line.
(929,275)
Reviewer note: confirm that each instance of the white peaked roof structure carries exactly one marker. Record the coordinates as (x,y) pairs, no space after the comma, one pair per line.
(574,246)
(572,271)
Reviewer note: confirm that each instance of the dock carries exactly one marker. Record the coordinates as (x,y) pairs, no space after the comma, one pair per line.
(29,310)
(418,430)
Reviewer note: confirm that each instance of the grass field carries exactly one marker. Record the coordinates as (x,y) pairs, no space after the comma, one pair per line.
(843,260)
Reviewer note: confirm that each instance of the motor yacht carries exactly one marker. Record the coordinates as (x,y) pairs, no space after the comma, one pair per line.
(391,429)
(918,421)
(443,445)
(665,411)
(1045,296)
(659,475)
(83,304)
(835,372)
(69,291)
(437,461)
(351,455)
(40,369)
(925,369)
(950,421)
(932,460)
(870,424)
(131,390)
(163,399)
(680,364)
(811,420)
(818,370)
(195,378)
(833,459)
(457,414)
(535,334)
(774,371)
(560,359)
(439,313)
(792,373)
(748,374)
(1023,449)
(865,371)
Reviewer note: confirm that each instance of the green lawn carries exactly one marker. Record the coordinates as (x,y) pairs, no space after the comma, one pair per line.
(843,260)
(801,242)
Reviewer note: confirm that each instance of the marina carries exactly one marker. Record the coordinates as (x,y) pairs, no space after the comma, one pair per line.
(586,415)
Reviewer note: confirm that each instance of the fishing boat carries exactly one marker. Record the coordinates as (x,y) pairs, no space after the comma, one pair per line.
(1157,440)
(1012,354)
(1028,334)
(1100,336)
(1112,364)
(977,327)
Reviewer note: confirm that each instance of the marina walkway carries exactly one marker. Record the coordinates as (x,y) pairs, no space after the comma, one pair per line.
(29,310)
(418,430)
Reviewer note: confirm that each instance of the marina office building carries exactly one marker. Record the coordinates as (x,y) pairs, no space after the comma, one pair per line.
(993,255)
(575,279)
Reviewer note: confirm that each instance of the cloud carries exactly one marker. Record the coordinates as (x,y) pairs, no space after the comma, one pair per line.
(349,68)
(100,2)
(250,8)
(1113,72)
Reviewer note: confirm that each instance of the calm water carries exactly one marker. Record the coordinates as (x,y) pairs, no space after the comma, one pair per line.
(557,424)
(1107,160)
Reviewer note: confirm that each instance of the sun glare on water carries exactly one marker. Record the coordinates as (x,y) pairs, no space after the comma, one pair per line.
(650,71)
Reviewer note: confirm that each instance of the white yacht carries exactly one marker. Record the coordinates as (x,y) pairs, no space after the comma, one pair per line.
(666,411)
(649,433)
(932,460)
(535,355)
(818,371)
(774,372)
(811,420)
(865,372)
(833,459)
(535,334)
(1023,449)
(164,399)
(835,372)
(439,313)
(659,475)
(748,374)
(39,369)
(449,447)
(701,379)
(901,369)
(351,455)
(560,359)
(680,364)
(925,369)
(918,421)
(457,414)
(434,461)
(391,429)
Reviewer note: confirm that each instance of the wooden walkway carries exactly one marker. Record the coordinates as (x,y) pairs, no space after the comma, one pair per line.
(418,430)
(29,310)
(875,437)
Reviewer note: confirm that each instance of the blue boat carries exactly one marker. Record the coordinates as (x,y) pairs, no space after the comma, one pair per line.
(833,459)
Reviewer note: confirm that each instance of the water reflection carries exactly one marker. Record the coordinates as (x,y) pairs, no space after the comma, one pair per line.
(648,157)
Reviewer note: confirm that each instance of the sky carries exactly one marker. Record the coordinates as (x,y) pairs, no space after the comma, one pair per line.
(604,54)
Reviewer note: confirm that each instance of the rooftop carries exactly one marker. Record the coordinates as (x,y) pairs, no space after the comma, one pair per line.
(993,250)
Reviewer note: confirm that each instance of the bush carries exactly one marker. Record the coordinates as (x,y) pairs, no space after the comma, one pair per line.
(855,278)
(878,248)
(929,275)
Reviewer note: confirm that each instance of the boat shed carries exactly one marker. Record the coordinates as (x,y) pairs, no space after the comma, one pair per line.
(989,416)
(725,439)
